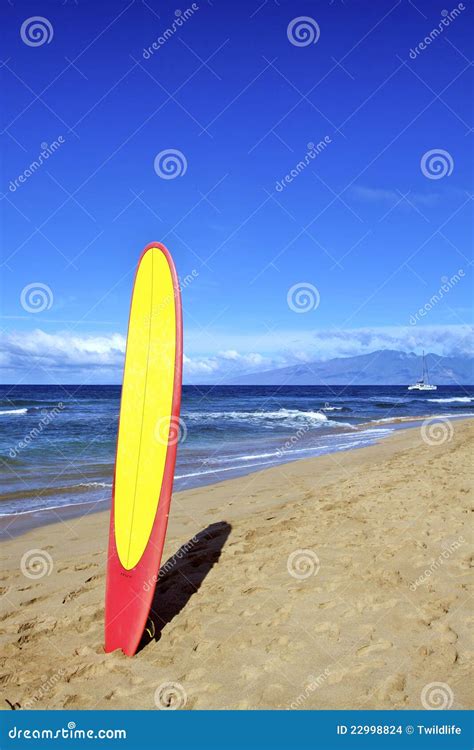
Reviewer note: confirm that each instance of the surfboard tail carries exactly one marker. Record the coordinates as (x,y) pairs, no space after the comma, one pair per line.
(129,593)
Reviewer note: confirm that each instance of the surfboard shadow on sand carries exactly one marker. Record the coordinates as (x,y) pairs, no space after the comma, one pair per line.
(181,576)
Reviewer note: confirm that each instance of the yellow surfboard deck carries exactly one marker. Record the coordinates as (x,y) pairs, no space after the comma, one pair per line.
(146,406)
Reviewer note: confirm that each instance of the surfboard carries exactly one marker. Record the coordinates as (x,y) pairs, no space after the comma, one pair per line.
(146,448)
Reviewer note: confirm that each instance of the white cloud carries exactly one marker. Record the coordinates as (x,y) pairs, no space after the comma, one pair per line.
(224,363)
(326,343)
(200,366)
(219,356)
(61,351)
(389,196)
(291,347)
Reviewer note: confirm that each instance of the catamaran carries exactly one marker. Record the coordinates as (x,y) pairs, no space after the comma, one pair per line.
(423,383)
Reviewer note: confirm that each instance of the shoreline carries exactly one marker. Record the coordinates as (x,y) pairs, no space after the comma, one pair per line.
(330,582)
(15,524)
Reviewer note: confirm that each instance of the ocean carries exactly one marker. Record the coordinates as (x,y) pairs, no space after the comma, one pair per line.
(57,443)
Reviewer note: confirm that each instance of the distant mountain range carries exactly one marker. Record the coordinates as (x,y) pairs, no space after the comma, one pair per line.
(382,367)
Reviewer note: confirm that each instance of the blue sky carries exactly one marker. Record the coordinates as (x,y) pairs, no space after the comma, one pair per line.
(362,222)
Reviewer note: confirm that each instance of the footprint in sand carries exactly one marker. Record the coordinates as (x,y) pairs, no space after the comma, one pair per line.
(393,690)
(328,629)
(273,694)
(26,626)
(93,578)
(71,700)
(35,600)
(97,669)
(250,672)
(374,647)
(72,595)
(253,589)
(282,615)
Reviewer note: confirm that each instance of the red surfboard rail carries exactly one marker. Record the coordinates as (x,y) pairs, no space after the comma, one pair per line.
(129,592)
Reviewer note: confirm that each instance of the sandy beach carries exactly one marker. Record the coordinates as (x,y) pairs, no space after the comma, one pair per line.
(335,582)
